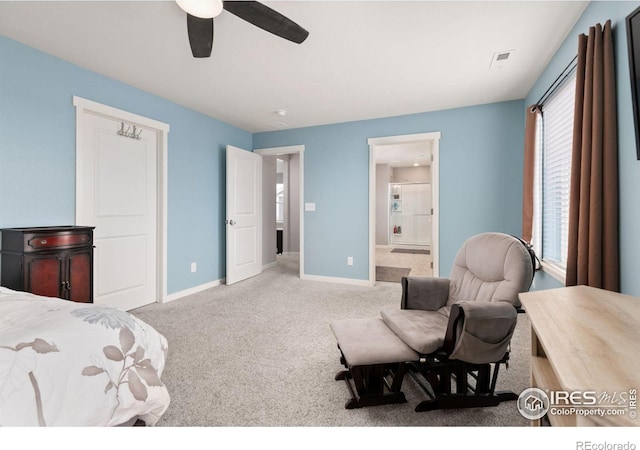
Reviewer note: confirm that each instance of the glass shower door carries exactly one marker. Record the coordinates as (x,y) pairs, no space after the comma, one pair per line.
(410,214)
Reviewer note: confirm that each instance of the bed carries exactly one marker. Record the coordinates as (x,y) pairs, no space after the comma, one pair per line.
(76,364)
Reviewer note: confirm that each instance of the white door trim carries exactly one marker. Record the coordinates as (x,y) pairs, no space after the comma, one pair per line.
(434,137)
(288,150)
(84,107)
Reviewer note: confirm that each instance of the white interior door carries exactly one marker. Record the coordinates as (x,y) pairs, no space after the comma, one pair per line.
(244,214)
(118,188)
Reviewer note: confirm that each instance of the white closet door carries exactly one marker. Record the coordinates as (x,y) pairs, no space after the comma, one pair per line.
(118,197)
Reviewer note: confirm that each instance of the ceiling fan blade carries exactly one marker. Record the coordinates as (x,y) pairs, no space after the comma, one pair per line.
(266,18)
(200,36)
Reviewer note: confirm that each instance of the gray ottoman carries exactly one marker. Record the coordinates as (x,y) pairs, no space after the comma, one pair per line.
(372,355)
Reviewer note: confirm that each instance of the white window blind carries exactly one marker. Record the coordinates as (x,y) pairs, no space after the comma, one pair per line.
(554,172)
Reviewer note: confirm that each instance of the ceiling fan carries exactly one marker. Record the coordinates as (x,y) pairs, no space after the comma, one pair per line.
(200,15)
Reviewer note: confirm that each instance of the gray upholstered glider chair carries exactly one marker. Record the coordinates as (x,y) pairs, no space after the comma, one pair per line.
(450,334)
(462,326)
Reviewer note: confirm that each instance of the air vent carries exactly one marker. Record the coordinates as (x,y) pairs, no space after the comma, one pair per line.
(501,59)
(279,125)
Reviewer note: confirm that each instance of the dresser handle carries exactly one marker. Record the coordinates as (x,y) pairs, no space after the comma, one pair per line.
(43,242)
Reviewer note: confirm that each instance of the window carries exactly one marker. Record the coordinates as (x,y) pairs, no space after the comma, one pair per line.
(552,178)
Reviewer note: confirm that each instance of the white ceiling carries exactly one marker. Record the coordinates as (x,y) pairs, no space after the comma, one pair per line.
(362,60)
(405,154)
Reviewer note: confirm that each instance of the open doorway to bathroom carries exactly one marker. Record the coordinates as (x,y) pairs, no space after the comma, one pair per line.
(403,194)
(282,225)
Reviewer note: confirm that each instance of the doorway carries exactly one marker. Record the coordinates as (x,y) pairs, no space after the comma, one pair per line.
(283,224)
(403,196)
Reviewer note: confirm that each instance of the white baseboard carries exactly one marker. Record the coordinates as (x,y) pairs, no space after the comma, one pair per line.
(336,280)
(270,265)
(193,290)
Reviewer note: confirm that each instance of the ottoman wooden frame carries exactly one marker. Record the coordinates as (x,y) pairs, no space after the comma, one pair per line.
(375,362)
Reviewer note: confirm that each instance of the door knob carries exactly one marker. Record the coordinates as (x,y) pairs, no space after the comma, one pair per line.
(231,222)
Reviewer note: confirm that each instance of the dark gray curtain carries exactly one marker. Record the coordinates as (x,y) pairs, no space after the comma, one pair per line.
(593,211)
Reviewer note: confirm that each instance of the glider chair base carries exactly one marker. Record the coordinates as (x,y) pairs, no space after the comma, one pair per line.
(457,401)
(451,384)
(374,358)
(373,385)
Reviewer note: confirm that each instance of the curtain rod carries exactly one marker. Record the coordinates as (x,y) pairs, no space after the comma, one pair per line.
(558,81)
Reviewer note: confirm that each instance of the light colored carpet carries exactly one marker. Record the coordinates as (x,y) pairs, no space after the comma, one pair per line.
(260,353)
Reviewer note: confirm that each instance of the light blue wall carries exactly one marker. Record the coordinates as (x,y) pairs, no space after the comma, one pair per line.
(600,12)
(480,163)
(37,156)
(481,158)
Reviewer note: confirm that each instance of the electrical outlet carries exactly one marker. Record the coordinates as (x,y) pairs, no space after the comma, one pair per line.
(349,260)
(193,267)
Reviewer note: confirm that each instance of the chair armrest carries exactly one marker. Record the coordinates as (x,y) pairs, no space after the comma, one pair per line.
(424,293)
(454,327)
(480,332)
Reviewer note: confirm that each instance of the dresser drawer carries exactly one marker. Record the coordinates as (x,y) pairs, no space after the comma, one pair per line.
(46,238)
(44,241)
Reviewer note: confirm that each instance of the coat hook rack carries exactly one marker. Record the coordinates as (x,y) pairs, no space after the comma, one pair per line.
(135,134)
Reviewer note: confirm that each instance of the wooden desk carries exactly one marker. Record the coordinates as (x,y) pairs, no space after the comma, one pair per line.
(584,339)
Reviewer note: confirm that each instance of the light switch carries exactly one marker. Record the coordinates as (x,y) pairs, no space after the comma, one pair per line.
(309,206)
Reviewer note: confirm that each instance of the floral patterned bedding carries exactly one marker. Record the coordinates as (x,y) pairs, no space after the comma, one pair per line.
(76,364)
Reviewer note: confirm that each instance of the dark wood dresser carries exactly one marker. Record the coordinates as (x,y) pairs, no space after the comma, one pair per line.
(48,261)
